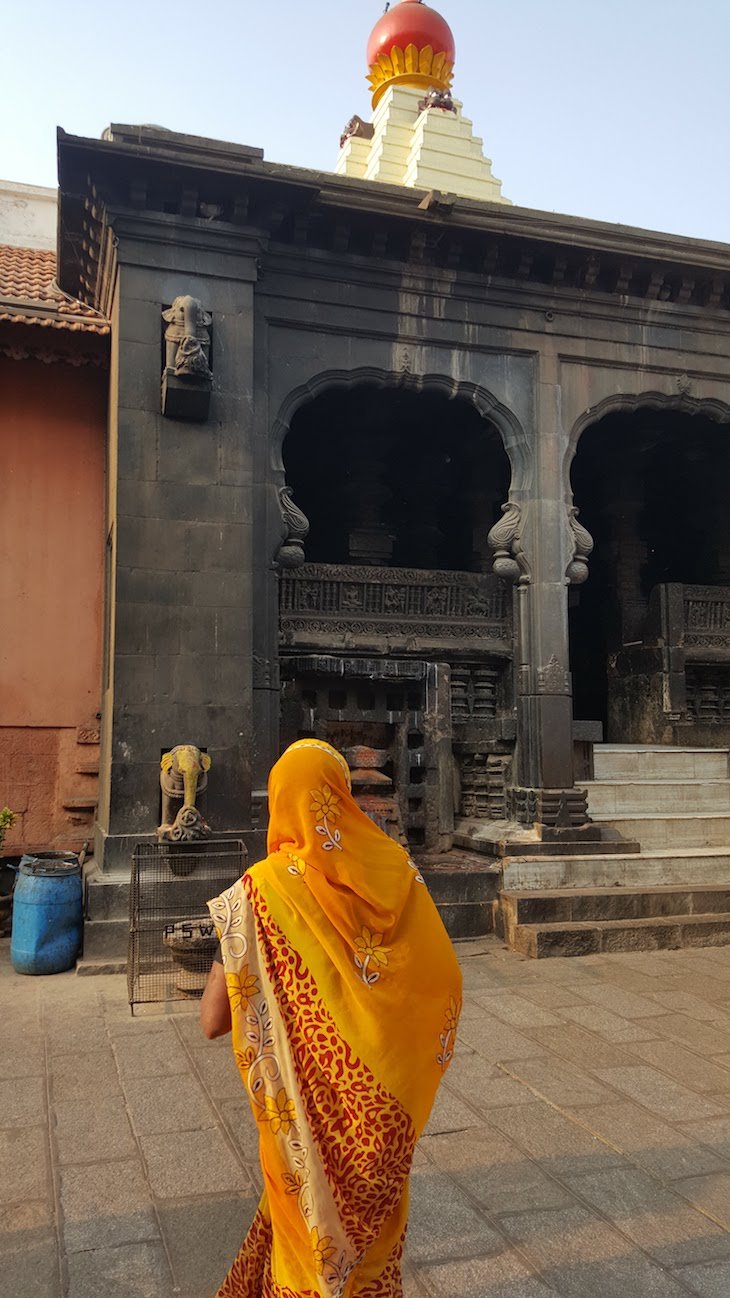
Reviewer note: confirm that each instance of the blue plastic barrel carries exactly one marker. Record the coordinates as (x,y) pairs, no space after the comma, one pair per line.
(47,913)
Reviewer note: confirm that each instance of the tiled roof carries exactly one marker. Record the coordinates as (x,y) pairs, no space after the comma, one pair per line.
(29,295)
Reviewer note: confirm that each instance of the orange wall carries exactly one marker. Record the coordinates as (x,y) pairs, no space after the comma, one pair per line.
(52,434)
(52,421)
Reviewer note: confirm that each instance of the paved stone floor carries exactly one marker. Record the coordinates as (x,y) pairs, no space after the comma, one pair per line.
(580,1145)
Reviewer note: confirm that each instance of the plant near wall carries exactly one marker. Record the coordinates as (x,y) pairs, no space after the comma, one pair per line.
(6,819)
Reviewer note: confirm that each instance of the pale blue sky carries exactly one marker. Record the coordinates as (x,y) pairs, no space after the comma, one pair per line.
(613,109)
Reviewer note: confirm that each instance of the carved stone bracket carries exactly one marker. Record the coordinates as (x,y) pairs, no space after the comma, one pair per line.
(187,379)
(294,530)
(510,561)
(582,545)
(557,809)
(266,673)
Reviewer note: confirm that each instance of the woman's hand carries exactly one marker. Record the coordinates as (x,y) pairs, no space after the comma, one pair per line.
(215,1009)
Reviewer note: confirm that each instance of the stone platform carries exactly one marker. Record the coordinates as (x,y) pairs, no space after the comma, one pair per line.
(579,1148)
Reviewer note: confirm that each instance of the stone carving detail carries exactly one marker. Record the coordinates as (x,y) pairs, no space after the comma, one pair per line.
(553,678)
(684,385)
(344,599)
(708,694)
(473,693)
(295,528)
(504,538)
(405,363)
(437,99)
(183,778)
(265,673)
(557,808)
(358,128)
(484,778)
(187,338)
(582,542)
(187,378)
(706,616)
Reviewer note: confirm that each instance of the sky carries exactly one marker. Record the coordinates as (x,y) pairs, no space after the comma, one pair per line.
(616,110)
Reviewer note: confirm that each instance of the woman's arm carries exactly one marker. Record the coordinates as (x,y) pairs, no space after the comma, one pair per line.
(215,1009)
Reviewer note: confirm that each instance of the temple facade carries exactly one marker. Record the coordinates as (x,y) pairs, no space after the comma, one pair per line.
(396,463)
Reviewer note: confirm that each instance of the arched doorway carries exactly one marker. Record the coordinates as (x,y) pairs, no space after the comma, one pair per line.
(395,636)
(398,478)
(650,487)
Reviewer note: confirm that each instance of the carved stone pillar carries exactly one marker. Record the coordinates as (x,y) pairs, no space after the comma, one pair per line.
(538,545)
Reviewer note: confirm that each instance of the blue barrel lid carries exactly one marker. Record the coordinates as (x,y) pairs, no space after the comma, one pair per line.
(50,863)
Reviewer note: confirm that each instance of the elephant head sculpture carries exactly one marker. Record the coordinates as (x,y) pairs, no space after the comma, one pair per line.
(183,777)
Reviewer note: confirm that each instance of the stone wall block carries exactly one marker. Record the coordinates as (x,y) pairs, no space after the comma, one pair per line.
(151,586)
(148,629)
(139,376)
(134,677)
(155,543)
(215,545)
(139,321)
(220,589)
(228,630)
(188,452)
(138,446)
(232,678)
(135,795)
(191,677)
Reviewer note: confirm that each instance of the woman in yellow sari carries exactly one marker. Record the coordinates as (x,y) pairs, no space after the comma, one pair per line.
(342,992)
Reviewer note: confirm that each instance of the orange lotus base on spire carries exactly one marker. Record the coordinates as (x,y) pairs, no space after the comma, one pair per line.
(410,45)
(410,67)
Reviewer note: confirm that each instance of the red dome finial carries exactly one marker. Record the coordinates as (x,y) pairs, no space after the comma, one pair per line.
(410,45)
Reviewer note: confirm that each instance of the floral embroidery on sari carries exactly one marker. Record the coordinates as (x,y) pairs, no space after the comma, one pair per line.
(447,1037)
(370,951)
(326,806)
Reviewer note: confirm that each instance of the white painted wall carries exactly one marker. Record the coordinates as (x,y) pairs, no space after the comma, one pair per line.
(28,215)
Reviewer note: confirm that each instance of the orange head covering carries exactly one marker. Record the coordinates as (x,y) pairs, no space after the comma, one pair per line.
(316,823)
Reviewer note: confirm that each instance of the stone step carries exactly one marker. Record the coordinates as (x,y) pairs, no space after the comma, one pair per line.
(565,905)
(112,965)
(107,896)
(612,798)
(668,933)
(467,918)
(687,866)
(633,761)
(475,885)
(691,829)
(80,802)
(500,839)
(106,939)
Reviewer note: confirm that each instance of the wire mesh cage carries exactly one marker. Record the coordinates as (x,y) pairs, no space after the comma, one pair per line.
(172,940)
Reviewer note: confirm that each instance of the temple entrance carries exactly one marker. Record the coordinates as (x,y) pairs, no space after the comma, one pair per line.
(395,635)
(650,629)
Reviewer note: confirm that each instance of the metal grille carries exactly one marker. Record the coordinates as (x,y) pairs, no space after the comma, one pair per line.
(171,937)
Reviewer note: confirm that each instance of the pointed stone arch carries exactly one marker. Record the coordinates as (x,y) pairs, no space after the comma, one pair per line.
(682,402)
(489,406)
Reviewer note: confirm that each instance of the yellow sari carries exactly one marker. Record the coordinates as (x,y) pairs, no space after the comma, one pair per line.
(345,994)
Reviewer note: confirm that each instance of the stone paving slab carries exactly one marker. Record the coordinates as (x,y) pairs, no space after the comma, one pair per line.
(580,1146)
